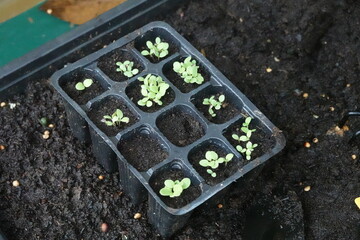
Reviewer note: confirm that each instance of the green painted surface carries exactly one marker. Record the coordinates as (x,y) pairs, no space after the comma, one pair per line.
(28,31)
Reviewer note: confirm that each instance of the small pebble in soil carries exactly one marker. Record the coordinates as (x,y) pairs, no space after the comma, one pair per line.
(51,125)
(315,140)
(220,205)
(101,177)
(348,85)
(46,134)
(15,183)
(3,104)
(276,59)
(357,202)
(345,128)
(49,11)
(307,188)
(2,147)
(332,109)
(203,52)
(353,156)
(269,70)
(104,227)
(307,145)
(305,95)
(137,215)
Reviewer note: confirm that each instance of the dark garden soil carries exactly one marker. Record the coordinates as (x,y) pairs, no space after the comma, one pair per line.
(227,111)
(178,81)
(134,93)
(180,127)
(187,196)
(82,97)
(142,151)
(107,107)
(107,64)
(222,172)
(297,61)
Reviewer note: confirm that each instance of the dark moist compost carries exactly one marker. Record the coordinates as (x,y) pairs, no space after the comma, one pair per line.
(108,106)
(298,61)
(107,64)
(143,151)
(222,172)
(180,127)
(187,196)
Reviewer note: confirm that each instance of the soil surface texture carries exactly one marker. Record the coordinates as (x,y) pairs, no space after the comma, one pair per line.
(297,61)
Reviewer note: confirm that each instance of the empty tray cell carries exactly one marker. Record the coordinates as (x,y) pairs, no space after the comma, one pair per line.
(262,136)
(141,43)
(109,107)
(134,92)
(229,108)
(108,64)
(181,125)
(69,81)
(178,81)
(223,170)
(143,148)
(174,171)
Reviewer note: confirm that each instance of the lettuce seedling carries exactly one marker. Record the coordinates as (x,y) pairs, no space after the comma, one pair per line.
(247,150)
(249,147)
(158,49)
(80,86)
(175,188)
(214,104)
(126,68)
(188,70)
(115,119)
(213,161)
(153,89)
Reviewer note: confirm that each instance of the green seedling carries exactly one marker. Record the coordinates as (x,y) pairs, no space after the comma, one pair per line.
(80,86)
(152,89)
(214,104)
(115,119)
(249,146)
(213,161)
(175,188)
(158,49)
(126,68)
(188,70)
(247,150)
(43,121)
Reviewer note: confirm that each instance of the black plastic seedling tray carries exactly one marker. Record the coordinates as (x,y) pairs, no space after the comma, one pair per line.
(111,149)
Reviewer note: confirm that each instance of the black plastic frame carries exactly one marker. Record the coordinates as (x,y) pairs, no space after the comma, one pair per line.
(166,219)
(81,41)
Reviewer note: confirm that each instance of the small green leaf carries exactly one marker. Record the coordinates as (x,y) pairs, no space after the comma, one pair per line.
(234,136)
(204,163)
(211,155)
(145,53)
(221,98)
(125,120)
(88,82)
(169,183)
(185,183)
(165,191)
(229,157)
(79,86)
(243,138)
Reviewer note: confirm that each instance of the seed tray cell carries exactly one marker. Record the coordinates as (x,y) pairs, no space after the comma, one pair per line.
(168,137)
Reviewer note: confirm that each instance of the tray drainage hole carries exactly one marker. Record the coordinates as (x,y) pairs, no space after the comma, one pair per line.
(145,130)
(176,166)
